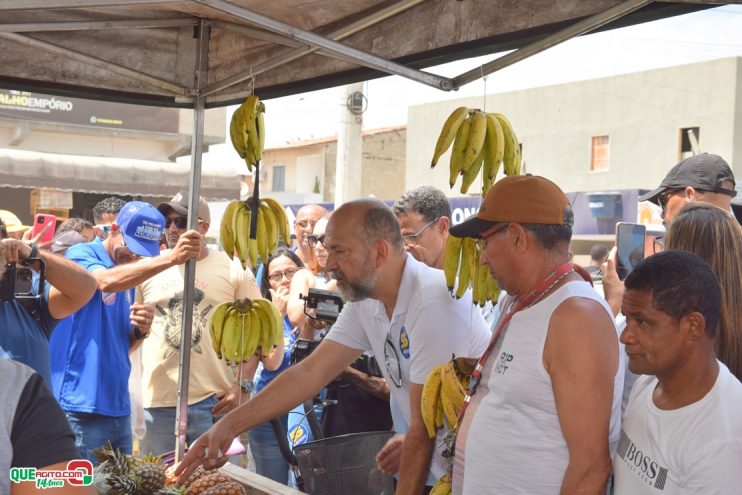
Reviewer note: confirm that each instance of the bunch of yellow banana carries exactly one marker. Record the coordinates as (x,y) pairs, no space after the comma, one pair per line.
(239,329)
(442,486)
(463,268)
(443,396)
(247,130)
(234,231)
(481,141)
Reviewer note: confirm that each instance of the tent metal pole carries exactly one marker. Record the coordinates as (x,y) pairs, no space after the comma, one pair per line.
(577,29)
(357,56)
(76,4)
(97,62)
(194,192)
(291,55)
(35,27)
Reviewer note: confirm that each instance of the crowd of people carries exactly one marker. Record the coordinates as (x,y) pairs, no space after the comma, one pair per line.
(633,389)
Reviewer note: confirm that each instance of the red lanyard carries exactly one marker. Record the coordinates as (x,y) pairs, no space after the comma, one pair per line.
(537,293)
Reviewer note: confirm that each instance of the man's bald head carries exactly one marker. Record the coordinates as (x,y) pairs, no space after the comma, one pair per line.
(370,220)
(306,217)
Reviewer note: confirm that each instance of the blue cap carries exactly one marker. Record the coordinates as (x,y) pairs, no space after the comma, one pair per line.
(142,226)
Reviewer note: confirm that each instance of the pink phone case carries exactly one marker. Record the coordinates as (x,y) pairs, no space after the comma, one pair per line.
(40,221)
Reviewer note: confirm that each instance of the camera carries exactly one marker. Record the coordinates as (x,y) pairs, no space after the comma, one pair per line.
(327,304)
(17,281)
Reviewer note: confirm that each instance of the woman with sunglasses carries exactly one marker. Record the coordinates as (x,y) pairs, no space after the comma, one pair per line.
(314,276)
(279,270)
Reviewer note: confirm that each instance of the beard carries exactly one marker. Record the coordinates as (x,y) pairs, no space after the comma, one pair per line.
(359,290)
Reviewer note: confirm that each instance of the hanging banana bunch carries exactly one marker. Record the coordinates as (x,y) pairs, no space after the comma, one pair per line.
(234,231)
(463,268)
(482,141)
(247,130)
(240,329)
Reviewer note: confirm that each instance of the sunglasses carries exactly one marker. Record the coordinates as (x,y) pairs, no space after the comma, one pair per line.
(665,196)
(180,222)
(312,240)
(278,276)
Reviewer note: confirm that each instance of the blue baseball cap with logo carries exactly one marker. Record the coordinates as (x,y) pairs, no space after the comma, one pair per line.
(142,226)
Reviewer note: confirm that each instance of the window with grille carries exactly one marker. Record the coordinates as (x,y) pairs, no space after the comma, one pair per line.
(600,154)
(279,178)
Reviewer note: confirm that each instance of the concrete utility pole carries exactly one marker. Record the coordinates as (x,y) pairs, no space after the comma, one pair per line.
(349,149)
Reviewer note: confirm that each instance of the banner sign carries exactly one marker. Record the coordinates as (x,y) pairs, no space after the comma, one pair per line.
(23,105)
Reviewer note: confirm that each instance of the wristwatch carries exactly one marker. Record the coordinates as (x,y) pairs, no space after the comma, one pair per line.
(247,386)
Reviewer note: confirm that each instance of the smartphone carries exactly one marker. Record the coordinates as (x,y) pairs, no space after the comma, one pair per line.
(41,225)
(630,247)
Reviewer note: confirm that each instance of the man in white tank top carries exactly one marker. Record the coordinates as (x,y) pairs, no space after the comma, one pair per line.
(545,417)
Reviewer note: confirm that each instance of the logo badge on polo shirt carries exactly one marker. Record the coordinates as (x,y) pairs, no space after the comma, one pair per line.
(404,343)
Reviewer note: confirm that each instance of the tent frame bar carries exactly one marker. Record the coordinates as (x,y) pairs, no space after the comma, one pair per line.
(78,4)
(189,277)
(357,56)
(577,29)
(99,63)
(93,25)
(290,56)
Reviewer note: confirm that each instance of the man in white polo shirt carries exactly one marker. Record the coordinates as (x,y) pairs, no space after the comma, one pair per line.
(399,309)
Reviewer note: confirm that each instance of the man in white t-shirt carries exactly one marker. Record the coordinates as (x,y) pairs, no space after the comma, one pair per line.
(682,429)
(213,389)
(399,309)
(546,410)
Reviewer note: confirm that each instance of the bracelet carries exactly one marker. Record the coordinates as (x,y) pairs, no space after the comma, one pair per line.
(34,251)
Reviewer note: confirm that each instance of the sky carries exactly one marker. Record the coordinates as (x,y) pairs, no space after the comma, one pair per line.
(711,34)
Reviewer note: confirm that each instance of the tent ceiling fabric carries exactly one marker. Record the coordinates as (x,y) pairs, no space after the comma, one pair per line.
(32,169)
(155,65)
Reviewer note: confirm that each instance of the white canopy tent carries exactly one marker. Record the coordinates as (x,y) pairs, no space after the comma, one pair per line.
(202,53)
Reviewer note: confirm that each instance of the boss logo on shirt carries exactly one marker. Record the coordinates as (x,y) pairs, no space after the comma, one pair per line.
(641,464)
(503,363)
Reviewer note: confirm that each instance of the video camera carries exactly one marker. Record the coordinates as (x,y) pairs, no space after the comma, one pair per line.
(327,306)
(17,281)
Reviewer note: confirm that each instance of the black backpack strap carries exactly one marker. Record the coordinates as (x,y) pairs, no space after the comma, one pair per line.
(32,306)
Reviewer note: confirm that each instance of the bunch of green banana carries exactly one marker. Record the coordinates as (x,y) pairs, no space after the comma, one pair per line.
(442,486)
(442,397)
(463,268)
(239,329)
(234,231)
(247,130)
(481,141)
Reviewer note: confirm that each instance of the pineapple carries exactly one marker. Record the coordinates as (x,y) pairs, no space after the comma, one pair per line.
(121,485)
(202,484)
(200,472)
(228,488)
(170,490)
(150,477)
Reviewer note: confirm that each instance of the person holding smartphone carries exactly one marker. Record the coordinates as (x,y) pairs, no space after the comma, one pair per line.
(27,323)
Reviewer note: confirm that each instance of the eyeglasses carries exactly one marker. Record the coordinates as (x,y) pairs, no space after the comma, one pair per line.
(305,223)
(312,240)
(411,239)
(391,358)
(658,244)
(278,276)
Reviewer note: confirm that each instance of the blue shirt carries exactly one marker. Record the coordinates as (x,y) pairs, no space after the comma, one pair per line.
(90,352)
(23,338)
(289,338)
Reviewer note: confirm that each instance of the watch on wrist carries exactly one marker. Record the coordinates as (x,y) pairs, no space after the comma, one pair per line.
(247,386)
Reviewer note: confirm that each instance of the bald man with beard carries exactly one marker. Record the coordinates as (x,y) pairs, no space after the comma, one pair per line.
(398,309)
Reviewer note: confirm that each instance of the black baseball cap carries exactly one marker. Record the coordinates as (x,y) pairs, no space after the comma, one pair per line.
(705,172)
